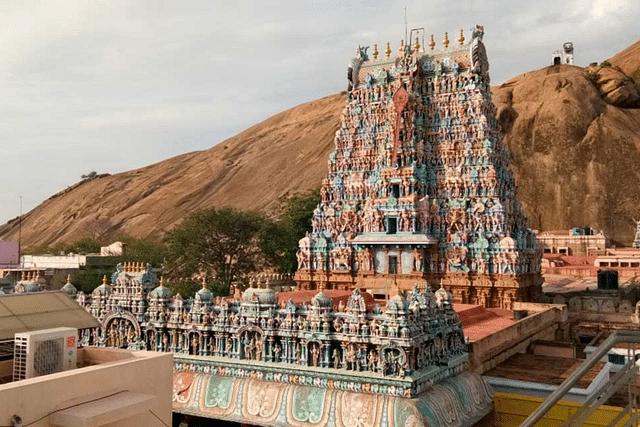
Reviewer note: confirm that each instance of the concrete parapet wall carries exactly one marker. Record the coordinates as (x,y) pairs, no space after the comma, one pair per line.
(493,349)
(111,373)
(511,410)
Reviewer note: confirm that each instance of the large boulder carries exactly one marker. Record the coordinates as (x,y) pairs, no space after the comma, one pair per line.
(614,86)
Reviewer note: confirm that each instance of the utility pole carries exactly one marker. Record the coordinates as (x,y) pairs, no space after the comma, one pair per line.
(20,236)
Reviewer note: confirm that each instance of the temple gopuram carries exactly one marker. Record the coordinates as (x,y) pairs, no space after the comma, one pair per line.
(419,186)
(254,360)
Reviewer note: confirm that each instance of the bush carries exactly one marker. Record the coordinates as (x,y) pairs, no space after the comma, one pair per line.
(594,78)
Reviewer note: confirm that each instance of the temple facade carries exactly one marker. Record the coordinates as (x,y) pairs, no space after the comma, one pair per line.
(419,186)
(254,360)
(406,336)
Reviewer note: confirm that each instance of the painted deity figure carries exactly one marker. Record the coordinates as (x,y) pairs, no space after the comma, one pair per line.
(373,360)
(277,350)
(336,358)
(417,259)
(315,353)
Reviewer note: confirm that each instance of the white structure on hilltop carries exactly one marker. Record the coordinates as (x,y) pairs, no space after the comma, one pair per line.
(564,56)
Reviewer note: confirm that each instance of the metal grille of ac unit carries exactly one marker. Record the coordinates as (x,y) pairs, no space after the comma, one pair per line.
(20,358)
(48,357)
(44,352)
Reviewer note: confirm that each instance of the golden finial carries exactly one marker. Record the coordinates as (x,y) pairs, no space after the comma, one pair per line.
(204,283)
(432,43)
(445,42)
(401,49)
(416,46)
(24,276)
(375,51)
(68,278)
(104,279)
(461,38)
(161,281)
(388,51)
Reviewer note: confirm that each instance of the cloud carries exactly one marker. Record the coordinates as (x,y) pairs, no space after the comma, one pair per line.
(114,85)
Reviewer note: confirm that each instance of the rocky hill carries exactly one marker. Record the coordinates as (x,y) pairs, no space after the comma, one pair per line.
(281,155)
(573,133)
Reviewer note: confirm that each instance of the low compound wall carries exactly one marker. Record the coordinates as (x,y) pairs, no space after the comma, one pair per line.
(487,352)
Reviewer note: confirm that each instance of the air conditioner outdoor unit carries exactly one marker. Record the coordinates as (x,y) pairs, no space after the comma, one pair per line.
(44,352)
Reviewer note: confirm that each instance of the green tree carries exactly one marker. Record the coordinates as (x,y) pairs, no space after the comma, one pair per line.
(188,288)
(87,279)
(219,243)
(86,246)
(279,239)
(83,246)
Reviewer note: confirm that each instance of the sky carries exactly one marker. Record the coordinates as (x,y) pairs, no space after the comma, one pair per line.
(110,86)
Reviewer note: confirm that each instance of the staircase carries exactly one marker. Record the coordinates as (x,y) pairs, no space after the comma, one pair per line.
(625,377)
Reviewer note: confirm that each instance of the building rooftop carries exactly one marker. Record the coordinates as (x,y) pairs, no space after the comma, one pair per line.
(479,321)
(23,312)
(543,369)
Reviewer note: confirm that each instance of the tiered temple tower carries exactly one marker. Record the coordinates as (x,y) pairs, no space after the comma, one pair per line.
(419,186)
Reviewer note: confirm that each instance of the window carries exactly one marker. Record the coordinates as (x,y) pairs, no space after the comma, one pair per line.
(614,264)
(617,359)
(395,190)
(393,264)
(604,264)
(548,250)
(392,225)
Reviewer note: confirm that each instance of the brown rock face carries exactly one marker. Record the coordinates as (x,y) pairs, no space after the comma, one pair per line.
(628,61)
(575,157)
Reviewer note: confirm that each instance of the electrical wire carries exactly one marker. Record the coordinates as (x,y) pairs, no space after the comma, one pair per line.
(82,403)
(71,406)
(159,419)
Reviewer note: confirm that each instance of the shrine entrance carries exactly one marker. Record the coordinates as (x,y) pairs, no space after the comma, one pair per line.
(120,332)
(251,344)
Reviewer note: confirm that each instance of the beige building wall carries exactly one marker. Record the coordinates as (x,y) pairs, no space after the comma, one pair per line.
(115,380)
